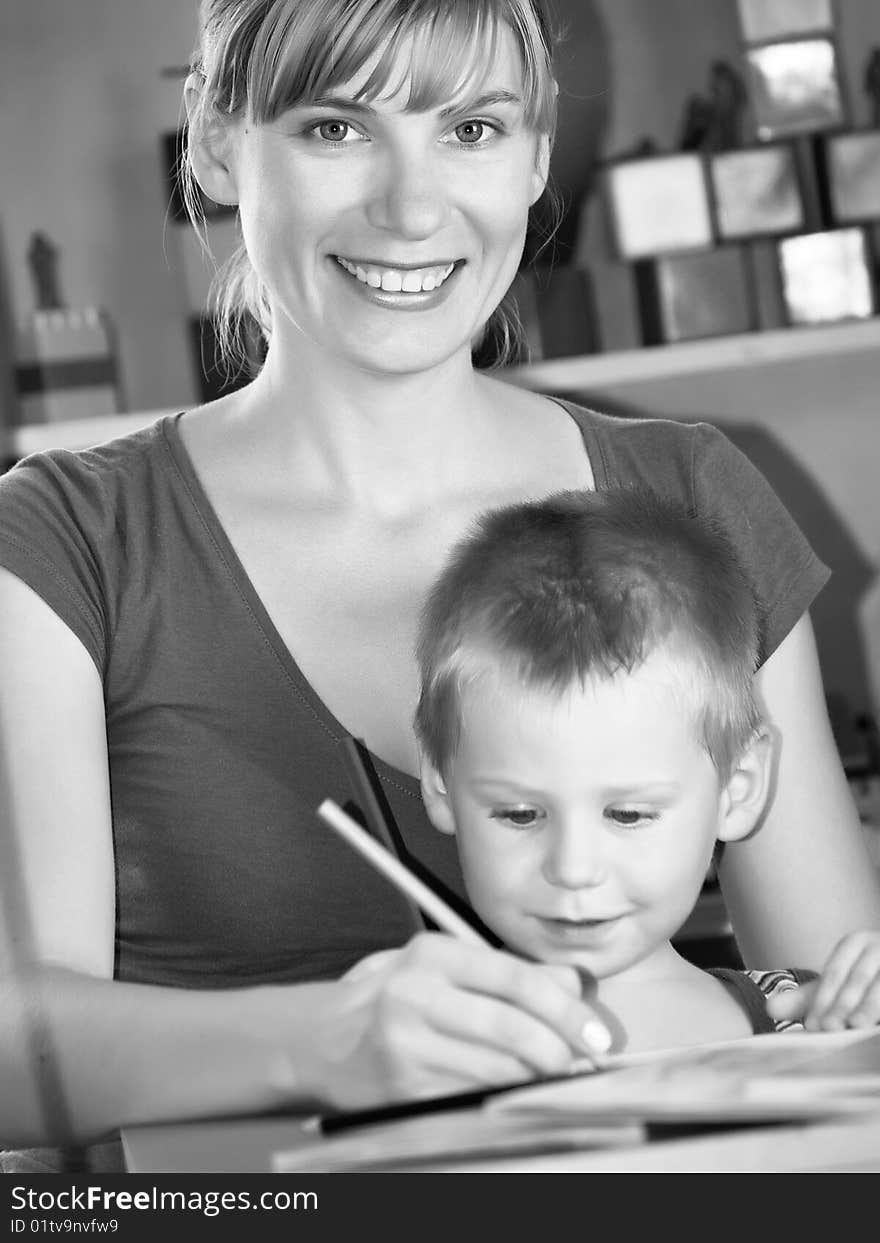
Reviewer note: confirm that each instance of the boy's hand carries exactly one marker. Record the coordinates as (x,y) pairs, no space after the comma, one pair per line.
(847,994)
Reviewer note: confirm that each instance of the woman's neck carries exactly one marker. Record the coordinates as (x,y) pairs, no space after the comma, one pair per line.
(373,437)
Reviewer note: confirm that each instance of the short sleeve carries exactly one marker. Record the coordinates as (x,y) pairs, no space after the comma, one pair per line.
(53,520)
(786,574)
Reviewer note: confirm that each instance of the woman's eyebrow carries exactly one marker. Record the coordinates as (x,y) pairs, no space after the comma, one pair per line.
(486,100)
(342,102)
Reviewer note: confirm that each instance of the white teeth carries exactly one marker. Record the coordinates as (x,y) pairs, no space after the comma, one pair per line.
(398,280)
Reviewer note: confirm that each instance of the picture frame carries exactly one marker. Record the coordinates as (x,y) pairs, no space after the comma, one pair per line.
(764,20)
(659,204)
(696,294)
(852,169)
(756,192)
(827,276)
(794,87)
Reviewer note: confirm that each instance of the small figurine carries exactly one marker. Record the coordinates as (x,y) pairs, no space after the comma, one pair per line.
(696,124)
(728,96)
(43,260)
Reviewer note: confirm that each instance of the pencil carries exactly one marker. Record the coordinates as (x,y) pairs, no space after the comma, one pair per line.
(397,873)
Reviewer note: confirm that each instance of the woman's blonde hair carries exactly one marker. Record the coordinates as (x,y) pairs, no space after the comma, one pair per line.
(257,58)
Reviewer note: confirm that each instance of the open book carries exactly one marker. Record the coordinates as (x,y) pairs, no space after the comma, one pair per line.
(759,1079)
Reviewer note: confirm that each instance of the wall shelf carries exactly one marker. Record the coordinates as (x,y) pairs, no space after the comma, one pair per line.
(597,372)
(660,362)
(77,433)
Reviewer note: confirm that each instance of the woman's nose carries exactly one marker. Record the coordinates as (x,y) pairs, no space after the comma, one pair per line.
(407,198)
(574,857)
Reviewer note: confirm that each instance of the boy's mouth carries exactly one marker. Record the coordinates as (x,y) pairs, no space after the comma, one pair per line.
(578,930)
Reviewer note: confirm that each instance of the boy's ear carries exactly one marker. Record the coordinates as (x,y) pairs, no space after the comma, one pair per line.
(435,797)
(211,151)
(745,795)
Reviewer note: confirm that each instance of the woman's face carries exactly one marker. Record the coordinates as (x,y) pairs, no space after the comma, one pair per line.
(385,237)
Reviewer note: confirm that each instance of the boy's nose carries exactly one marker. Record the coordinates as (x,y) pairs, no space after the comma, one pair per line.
(574,858)
(408,199)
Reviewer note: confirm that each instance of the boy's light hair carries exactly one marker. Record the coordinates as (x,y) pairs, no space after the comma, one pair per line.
(587,585)
(260,57)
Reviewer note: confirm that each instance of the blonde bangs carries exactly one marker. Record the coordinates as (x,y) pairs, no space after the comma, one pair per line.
(309,48)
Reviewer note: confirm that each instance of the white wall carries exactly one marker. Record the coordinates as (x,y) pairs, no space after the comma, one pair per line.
(82,106)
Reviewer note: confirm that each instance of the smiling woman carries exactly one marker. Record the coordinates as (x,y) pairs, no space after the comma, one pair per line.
(194,617)
(468,79)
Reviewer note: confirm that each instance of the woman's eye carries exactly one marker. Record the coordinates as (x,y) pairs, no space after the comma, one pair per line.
(335,132)
(519,817)
(474,133)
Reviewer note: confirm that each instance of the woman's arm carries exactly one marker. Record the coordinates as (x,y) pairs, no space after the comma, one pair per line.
(804,879)
(81,1054)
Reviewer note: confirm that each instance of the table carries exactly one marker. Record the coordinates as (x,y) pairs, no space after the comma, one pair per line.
(246,1146)
(852,1143)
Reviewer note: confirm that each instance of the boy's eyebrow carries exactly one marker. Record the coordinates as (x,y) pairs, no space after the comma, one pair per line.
(642,789)
(507,787)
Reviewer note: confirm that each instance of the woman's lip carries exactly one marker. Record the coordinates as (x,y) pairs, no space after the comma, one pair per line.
(393,266)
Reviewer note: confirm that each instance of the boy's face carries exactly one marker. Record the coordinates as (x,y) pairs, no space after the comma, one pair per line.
(585,821)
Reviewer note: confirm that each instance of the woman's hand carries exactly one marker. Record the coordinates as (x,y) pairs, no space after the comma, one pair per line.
(439,1016)
(847,994)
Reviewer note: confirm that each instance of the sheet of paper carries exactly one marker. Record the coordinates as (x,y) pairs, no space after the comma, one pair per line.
(433,1138)
(796,1075)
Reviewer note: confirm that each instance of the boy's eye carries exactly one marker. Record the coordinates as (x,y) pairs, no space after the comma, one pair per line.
(629,817)
(519,817)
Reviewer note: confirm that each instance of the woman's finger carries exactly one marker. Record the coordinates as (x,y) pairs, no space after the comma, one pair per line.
(549,994)
(851,970)
(853,992)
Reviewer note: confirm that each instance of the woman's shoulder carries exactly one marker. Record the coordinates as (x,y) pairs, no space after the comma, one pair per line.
(96,476)
(625,429)
(662,453)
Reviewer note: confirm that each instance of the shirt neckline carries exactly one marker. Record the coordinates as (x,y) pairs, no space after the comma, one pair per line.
(183,463)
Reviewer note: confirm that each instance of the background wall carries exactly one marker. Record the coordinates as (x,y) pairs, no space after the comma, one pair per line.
(82,105)
(659,53)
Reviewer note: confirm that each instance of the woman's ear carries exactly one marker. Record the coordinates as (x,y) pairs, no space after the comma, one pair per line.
(744,797)
(211,148)
(436,797)
(542,168)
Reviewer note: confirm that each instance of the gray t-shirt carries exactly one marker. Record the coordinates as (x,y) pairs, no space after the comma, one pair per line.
(220,751)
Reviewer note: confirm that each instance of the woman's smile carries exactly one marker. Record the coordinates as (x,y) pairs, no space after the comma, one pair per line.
(402,286)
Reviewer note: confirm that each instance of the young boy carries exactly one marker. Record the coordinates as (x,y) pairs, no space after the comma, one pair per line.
(589,733)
